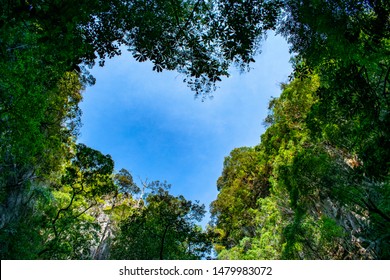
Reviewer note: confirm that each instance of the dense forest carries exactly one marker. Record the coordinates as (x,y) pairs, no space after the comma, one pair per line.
(317,186)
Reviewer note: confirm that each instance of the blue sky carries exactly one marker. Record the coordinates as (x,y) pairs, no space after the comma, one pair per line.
(151,124)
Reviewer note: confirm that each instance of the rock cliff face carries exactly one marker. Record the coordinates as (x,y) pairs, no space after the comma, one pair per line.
(314,198)
(102,250)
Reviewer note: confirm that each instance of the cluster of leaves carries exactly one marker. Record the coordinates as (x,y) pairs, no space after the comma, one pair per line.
(91,213)
(163,227)
(198,38)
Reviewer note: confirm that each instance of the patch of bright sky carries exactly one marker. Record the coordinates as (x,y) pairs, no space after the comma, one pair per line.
(151,124)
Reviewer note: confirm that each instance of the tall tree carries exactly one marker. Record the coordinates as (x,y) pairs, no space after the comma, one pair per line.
(163,228)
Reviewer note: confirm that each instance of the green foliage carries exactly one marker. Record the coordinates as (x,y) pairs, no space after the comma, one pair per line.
(125,182)
(266,243)
(252,169)
(38,120)
(72,228)
(240,186)
(326,146)
(319,206)
(197,38)
(164,228)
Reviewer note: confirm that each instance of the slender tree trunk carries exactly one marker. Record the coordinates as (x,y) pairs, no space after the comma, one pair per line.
(162,243)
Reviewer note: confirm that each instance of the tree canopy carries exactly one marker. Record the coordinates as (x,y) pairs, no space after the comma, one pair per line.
(316,187)
(326,146)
